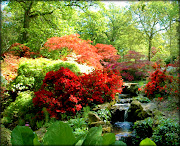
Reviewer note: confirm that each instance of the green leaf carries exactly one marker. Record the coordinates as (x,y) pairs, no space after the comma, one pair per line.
(146,142)
(59,133)
(35,140)
(109,138)
(119,143)
(22,135)
(94,136)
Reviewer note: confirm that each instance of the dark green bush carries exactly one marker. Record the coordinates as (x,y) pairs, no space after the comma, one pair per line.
(162,131)
(166,132)
(143,129)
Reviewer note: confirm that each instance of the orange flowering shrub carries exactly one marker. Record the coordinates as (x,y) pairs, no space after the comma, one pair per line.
(87,52)
(108,52)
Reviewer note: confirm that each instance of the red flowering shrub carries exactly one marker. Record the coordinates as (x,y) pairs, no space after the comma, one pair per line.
(101,86)
(87,52)
(157,83)
(64,92)
(19,50)
(133,68)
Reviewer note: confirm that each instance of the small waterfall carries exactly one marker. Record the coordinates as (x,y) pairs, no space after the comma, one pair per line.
(122,128)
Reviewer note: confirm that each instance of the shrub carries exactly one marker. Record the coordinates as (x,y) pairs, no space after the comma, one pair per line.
(19,50)
(87,52)
(101,86)
(65,92)
(108,52)
(166,133)
(32,72)
(133,68)
(161,130)
(143,129)
(18,109)
(9,66)
(157,84)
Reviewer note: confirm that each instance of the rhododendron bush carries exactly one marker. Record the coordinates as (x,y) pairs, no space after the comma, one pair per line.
(157,85)
(87,53)
(65,92)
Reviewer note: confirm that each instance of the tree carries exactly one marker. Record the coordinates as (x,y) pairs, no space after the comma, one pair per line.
(35,21)
(152,18)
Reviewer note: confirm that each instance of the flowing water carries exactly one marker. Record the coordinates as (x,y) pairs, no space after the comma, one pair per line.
(121,127)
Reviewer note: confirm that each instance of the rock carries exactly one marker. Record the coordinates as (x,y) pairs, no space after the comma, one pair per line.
(106,105)
(137,112)
(40,133)
(130,88)
(93,117)
(5,137)
(95,121)
(106,129)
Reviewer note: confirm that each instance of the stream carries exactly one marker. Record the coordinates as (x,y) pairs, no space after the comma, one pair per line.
(121,127)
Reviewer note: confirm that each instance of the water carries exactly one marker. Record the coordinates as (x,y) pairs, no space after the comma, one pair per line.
(123,129)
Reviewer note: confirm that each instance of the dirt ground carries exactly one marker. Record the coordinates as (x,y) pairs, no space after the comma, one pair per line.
(169,108)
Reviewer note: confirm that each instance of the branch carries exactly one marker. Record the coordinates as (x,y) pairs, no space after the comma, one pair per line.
(37,13)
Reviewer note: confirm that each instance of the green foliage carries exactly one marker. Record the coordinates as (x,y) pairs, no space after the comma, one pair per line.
(54,54)
(143,129)
(32,72)
(60,133)
(108,138)
(5,136)
(146,142)
(94,136)
(104,114)
(119,143)
(162,131)
(142,99)
(166,132)
(19,108)
(22,135)
(79,126)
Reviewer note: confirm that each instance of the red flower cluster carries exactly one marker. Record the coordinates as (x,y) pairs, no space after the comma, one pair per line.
(65,92)
(157,82)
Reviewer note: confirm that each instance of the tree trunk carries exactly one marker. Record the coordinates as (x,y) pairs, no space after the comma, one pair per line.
(149,49)
(25,27)
(27,9)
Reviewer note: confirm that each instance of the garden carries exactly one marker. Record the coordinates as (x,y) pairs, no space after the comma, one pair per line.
(73,89)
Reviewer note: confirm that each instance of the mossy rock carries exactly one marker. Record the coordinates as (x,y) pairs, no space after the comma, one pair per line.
(5,137)
(136,112)
(92,117)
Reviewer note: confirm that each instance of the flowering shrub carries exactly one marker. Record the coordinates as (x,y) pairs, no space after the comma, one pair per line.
(65,92)
(87,52)
(157,84)
(101,86)
(108,52)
